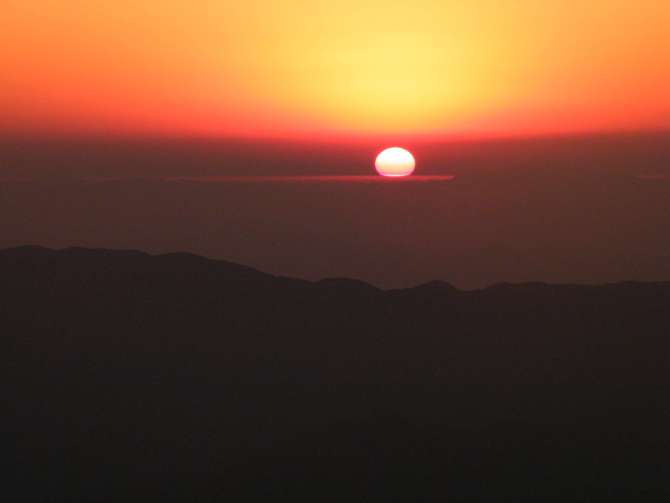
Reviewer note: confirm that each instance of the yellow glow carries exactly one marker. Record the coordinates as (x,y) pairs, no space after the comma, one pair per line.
(394,162)
(309,67)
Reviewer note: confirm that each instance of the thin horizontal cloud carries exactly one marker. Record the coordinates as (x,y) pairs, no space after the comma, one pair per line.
(310,179)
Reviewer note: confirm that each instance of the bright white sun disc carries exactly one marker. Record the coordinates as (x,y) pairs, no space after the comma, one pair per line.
(395,161)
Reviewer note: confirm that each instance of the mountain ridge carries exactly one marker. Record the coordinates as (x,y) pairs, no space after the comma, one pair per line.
(180,378)
(433,286)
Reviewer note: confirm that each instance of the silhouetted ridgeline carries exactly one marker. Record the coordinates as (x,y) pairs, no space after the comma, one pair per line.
(183,378)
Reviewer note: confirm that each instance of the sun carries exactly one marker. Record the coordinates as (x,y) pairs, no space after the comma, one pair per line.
(395,162)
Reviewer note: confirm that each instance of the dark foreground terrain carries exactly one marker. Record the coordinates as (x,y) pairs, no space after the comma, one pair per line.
(128,377)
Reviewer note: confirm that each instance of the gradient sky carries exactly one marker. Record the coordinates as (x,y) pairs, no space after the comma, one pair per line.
(299,68)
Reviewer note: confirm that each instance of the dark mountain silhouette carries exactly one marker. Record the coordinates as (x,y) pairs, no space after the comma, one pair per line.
(175,377)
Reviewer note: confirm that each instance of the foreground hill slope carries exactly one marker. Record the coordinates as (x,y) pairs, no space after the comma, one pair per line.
(185,378)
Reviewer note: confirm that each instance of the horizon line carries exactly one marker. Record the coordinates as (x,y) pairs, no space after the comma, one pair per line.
(333,139)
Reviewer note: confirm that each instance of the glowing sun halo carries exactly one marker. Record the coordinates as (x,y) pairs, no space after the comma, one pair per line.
(395,161)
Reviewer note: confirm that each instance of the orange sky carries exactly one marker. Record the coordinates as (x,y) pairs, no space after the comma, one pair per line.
(299,68)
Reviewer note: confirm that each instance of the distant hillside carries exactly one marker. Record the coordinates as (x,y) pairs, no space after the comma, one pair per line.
(179,378)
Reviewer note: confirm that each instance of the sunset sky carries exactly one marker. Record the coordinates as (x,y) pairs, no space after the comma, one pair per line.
(305,69)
